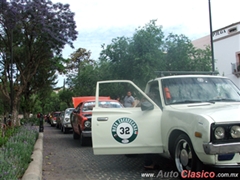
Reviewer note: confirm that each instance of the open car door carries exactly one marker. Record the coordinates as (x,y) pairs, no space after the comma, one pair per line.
(131,130)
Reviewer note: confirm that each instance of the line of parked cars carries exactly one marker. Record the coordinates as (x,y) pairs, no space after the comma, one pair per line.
(78,119)
(63,121)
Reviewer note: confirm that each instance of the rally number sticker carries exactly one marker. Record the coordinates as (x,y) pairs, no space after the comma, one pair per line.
(124,130)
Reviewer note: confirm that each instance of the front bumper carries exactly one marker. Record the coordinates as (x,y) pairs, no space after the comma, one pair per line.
(228,148)
(67,125)
(87,133)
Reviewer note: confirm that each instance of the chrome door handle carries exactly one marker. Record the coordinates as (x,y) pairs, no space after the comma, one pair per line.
(102,118)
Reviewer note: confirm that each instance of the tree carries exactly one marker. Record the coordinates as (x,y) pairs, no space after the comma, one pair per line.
(51,103)
(32,32)
(135,58)
(82,71)
(181,55)
(66,96)
(81,55)
(140,57)
(84,83)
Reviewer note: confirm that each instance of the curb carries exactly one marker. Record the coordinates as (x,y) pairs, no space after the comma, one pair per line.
(34,170)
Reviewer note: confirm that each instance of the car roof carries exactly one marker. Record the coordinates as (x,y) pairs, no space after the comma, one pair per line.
(78,100)
(186,76)
(102,100)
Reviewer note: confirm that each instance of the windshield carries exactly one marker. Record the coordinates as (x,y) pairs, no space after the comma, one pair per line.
(199,89)
(88,106)
(68,111)
(56,114)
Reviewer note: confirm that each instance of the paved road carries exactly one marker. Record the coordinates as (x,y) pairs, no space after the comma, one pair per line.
(65,159)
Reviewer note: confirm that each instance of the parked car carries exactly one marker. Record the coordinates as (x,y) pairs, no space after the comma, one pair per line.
(53,119)
(59,119)
(82,115)
(65,124)
(48,118)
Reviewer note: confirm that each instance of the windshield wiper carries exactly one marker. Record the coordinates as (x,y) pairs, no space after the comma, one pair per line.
(223,100)
(191,101)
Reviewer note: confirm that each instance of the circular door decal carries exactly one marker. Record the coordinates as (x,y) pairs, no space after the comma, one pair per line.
(124,130)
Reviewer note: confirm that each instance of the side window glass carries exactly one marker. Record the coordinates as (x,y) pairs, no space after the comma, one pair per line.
(126,93)
(78,107)
(154,94)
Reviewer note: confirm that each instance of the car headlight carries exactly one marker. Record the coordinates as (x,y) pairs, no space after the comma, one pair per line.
(235,131)
(87,124)
(66,119)
(219,133)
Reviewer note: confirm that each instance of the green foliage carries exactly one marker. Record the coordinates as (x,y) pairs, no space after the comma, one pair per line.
(181,55)
(15,155)
(6,133)
(64,106)
(138,59)
(34,121)
(51,103)
(36,31)
(65,96)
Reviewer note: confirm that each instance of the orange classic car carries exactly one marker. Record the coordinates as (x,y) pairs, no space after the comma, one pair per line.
(82,115)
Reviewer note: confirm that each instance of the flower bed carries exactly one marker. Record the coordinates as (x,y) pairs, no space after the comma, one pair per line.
(15,153)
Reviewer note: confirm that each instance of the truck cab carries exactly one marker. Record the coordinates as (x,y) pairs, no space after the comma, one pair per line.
(193,119)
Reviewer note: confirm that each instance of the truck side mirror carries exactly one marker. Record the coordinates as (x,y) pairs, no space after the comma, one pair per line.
(75,111)
(146,106)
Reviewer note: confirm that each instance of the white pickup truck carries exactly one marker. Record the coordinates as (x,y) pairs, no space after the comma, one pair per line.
(194,119)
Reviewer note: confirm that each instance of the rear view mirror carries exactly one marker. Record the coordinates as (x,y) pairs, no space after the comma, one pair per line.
(146,106)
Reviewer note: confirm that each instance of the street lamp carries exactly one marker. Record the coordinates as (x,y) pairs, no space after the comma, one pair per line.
(211,35)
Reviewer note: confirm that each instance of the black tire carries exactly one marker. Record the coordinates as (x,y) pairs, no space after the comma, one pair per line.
(83,140)
(65,131)
(184,155)
(75,135)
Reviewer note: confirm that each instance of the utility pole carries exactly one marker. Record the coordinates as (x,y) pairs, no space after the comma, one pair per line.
(211,35)
(11,78)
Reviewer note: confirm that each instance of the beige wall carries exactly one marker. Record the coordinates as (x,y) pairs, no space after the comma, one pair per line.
(201,43)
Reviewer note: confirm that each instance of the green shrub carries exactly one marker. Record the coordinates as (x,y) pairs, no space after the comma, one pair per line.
(15,154)
(32,121)
(8,132)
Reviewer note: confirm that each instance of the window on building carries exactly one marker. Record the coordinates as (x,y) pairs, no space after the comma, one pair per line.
(232,30)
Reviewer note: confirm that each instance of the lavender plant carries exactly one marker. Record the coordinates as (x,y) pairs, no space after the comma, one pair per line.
(15,155)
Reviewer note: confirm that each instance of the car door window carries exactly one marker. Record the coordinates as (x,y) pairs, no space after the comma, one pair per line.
(122,130)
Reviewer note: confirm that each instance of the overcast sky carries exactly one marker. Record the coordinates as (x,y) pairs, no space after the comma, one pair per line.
(99,21)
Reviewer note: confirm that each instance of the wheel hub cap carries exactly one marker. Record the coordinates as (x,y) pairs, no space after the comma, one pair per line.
(184,157)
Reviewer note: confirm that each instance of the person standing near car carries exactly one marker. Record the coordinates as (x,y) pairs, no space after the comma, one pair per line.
(128,100)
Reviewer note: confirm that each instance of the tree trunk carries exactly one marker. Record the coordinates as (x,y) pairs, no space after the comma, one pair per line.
(15,119)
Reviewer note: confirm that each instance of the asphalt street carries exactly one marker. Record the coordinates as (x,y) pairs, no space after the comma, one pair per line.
(65,159)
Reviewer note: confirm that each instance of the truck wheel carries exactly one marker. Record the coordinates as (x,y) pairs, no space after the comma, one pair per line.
(184,155)
(75,135)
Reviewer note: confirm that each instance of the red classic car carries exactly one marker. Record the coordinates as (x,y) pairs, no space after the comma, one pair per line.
(54,116)
(82,115)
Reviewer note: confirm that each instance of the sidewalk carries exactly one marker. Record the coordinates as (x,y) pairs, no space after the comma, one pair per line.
(34,170)
(60,156)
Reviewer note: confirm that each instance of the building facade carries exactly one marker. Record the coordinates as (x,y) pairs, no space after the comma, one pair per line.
(226,47)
